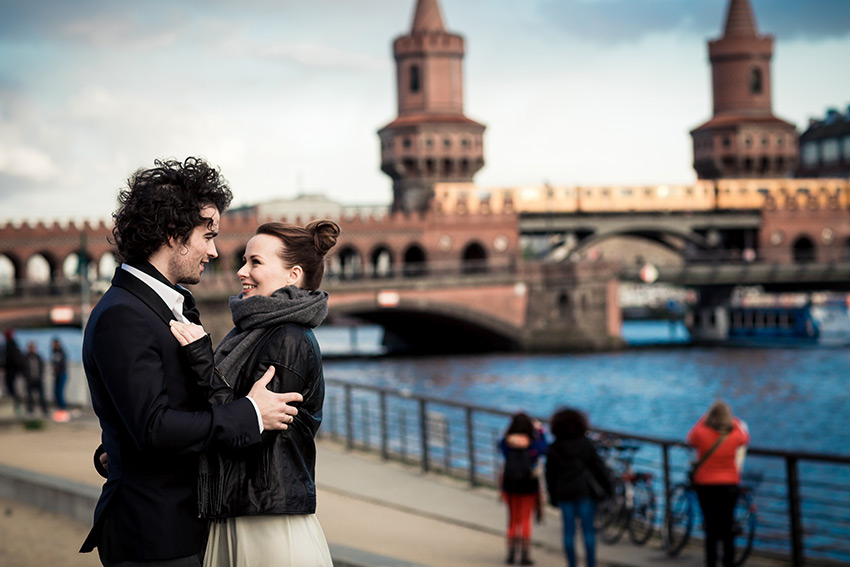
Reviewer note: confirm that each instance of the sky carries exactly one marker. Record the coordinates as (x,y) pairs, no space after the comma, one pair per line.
(286,96)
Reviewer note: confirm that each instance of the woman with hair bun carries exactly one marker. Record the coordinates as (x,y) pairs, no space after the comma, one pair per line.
(262,501)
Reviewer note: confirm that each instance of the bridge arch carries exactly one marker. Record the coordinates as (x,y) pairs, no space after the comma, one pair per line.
(41,268)
(10,269)
(106,265)
(381,261)
(350,263)
(419,327)
(662,237)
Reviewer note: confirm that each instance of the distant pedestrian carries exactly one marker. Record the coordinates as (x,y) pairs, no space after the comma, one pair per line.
(522,446)
(34,373)
(13,366)
(59,364)
(720,440)
(576,478)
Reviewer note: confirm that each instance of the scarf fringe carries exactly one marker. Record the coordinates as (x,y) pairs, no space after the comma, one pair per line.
(210,488)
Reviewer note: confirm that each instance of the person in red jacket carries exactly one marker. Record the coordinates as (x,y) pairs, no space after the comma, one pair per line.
(723,438)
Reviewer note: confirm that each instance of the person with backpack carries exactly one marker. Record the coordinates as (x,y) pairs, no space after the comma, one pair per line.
(576,478)
(522,445)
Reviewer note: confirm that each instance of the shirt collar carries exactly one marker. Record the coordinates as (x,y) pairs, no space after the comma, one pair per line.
(173,299)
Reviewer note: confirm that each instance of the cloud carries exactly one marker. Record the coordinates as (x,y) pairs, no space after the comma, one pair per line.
(25,162)
(306,53)
(618,21)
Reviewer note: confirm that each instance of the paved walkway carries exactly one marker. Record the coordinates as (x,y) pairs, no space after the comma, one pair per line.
(374,513)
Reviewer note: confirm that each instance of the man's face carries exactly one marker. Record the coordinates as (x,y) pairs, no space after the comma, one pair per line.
(187,260)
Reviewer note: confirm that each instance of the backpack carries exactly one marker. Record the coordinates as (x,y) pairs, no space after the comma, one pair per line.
(518,475)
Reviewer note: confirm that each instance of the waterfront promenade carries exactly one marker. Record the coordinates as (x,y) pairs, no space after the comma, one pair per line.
(374,513)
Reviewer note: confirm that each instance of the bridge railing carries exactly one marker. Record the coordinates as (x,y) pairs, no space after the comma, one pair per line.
(801,499)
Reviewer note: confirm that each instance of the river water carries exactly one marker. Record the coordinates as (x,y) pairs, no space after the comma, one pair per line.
(791,398)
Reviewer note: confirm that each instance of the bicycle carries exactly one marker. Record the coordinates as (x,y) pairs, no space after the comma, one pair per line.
(632,504)
(679,524)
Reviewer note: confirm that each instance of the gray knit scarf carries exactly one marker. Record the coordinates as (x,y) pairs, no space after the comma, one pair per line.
(253,315)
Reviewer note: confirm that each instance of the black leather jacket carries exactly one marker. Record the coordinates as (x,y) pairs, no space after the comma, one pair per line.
(276,476)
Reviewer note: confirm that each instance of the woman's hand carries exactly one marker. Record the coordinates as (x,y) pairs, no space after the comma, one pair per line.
(187,333)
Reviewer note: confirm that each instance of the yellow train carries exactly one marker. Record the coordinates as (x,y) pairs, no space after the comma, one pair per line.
(723,194)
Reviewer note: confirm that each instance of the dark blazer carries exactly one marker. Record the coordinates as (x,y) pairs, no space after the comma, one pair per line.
(155,421)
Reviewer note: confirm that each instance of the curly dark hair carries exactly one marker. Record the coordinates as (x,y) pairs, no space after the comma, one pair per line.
(165,202)
(568,423)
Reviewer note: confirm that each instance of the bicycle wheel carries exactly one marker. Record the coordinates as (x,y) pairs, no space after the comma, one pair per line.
(617,519)
(744,528)
(680,522)
(642,522)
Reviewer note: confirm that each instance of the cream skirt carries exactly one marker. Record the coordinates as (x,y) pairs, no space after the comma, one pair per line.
(277,541)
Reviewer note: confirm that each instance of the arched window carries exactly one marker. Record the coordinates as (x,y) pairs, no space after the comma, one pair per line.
(414,262)
(414,78)
(474,259)
(804,250)
(755,81)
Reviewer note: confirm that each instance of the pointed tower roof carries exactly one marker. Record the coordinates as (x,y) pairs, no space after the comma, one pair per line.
(428,17)
(740,21)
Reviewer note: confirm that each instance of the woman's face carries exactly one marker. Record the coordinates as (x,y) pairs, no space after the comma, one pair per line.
(263,272)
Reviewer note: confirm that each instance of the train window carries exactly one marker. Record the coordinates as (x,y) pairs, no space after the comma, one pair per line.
(770,320)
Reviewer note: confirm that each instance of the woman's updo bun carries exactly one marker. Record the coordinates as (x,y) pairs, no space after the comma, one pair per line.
(325,234)
(304,246)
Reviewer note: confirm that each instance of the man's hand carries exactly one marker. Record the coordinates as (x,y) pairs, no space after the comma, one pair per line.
(274,408)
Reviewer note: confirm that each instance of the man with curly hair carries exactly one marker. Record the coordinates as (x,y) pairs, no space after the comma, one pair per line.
(154,418)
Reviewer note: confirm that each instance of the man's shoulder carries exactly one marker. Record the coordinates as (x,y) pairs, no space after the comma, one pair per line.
(120,303)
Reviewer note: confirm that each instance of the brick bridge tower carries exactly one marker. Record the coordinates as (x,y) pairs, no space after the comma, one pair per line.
(743,138)
(431,140)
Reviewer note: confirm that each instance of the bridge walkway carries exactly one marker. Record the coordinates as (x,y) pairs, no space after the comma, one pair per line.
(374,513)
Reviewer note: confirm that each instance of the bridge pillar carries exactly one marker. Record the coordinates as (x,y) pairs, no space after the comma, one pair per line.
(571,307)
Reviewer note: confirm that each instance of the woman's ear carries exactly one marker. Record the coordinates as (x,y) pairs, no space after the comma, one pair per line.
(296,274)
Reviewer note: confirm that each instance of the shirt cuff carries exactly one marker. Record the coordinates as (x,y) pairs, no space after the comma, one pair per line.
(257,409)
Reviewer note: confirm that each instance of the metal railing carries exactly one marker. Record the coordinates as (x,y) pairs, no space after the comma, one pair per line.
(801,499)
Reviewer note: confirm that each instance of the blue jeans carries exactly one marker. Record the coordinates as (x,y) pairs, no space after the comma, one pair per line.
(59,390)
(583,509)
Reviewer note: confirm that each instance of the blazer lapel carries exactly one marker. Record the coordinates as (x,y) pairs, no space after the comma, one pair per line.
(149,297)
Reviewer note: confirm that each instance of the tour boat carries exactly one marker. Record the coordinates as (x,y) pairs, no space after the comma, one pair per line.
(823,322)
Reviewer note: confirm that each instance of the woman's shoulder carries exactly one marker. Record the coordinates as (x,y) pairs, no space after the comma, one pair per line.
(288,339)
